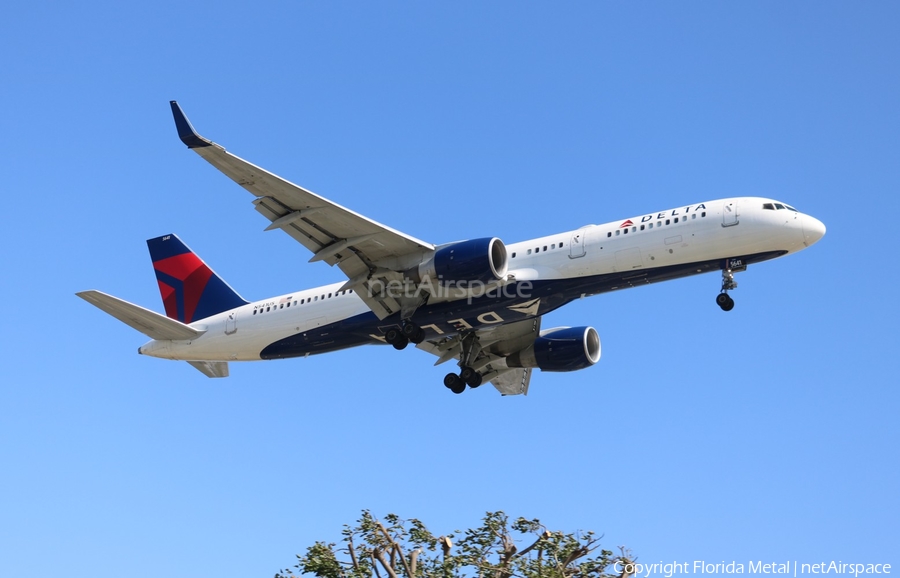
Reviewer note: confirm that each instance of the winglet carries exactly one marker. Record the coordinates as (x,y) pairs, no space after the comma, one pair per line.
(186,132)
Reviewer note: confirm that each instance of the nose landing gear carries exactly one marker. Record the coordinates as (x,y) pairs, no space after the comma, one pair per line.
(724,300)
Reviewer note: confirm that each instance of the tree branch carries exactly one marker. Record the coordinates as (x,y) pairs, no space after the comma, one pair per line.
(375,565)
(529,548)
(353,554)
(387,567)
(413,558)
(400,555)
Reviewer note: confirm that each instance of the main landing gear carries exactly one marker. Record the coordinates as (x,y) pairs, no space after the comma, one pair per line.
(470,348)
(724,300)
(457,382)
(402,336)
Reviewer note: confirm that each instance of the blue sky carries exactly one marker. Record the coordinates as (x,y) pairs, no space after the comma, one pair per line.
(766,433)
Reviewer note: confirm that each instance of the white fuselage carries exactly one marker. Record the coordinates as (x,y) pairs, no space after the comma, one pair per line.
(621,253)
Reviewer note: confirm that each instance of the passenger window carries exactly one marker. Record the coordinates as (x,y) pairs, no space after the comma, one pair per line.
(545,247)
(609,234)
(282,306)
(694,216)
(676,219)
(316,298)
(703,214)
(329,295)
(529,251)
(267,308)
(514,255)
(553,246)
(667,221)
(650,226)
(254,311)
(617,232)
(642,227)
(625,232)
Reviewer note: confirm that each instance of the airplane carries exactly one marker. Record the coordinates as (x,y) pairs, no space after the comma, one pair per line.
(480,301)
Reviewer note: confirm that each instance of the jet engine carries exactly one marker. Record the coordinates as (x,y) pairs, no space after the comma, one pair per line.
(562,349)
(477,260)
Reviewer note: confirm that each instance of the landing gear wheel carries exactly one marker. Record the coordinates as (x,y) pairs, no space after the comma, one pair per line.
(395,337)
(410,330)
(413,332)
(724,301)
(471,377)
(454,383)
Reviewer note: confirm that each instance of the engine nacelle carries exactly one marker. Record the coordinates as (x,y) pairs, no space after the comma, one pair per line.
(476,260)
(564,349)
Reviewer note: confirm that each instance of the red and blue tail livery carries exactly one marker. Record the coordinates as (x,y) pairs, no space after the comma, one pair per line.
(190,290)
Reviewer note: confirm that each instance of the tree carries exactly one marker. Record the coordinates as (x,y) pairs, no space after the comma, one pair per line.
(396,548)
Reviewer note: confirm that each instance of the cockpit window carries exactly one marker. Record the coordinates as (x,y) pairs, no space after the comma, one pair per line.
(779,206)
(768,206)
(790,208)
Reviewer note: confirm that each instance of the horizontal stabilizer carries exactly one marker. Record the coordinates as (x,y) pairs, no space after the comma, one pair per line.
(150,323)
(211,368)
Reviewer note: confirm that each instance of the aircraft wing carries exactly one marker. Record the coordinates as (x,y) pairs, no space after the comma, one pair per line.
(361,247)
(493,345)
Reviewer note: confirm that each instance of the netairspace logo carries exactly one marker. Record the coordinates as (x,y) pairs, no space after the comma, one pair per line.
(447,289)
(787,568)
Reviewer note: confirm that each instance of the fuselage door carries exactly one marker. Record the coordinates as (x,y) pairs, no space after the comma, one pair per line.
(576,244)
(231,323)
(730,213)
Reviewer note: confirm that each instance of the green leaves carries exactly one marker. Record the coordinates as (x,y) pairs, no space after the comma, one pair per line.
(397,548)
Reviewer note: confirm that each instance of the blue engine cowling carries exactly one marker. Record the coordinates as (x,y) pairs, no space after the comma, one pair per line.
(477,260)
(564,349)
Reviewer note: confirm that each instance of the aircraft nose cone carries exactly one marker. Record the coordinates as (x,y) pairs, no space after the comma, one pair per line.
(813,230)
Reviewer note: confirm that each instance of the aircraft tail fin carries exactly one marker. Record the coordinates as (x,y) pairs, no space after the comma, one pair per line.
(190,290)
